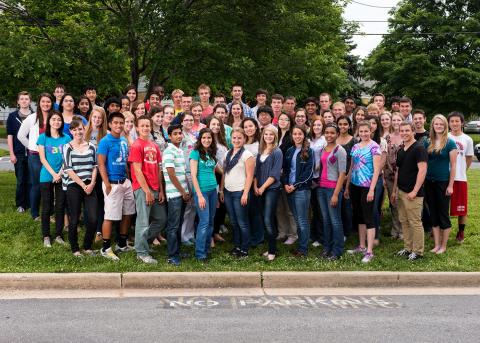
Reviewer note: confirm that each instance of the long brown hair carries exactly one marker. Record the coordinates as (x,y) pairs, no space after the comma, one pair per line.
(263,144)
(211,150)
(40,117)
(230,116)
(102,130)
(220,137)
(304,154)
(432,148)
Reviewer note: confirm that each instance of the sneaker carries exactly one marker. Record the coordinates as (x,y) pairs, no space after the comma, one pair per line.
(187,243)
(325,254)
(403,253)
(270,257)
(175,261)
(332,258)
(109,254)
(37,219)
(20,209)
(367,257)
(234,251)
(126,248)
(77,254)
(281,238)
(223,229)
(357,250)
(46,242)
(59,240)
(147,259)
(98,237)
(241,254)
(414,257)
(290,241)
(460,237)
(316,244)
(89,252)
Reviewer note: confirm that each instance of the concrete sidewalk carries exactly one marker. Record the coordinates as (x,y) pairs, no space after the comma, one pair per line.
(238,280)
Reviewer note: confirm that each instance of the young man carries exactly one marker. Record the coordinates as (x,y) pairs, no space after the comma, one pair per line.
(176,190)
(395,104)
(177,100)
(459,198)
(338,109)
(350,105)
(237,93)
(147,177)
(289,105)
(91,93)
(277,105)
(265,116)
(18,152)
(406,108)
(154,100)
(419,119)
(58,93)
(411,170)
(261,95)
(117,188)
(379,100)
(187,101)
(204,94)
(219,99)
(311,107)
(325,101)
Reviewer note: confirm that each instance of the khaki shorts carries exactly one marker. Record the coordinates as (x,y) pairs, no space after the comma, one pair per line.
(120,202)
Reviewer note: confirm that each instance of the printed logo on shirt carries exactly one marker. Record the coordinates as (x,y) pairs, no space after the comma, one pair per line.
(54,149)
(460,148)
(123,154)
(150,155)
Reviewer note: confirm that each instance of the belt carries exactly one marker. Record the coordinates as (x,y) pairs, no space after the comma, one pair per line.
(117,182)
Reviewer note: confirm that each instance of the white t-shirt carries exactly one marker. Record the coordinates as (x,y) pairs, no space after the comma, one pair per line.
(253,148)
(235,178)
(465,148)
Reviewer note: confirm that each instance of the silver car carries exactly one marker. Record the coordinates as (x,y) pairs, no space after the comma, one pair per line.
(472,126)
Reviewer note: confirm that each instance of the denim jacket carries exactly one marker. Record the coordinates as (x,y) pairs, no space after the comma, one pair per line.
(304,170)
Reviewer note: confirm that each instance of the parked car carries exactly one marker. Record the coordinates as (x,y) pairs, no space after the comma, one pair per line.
(472,126)
(477,151)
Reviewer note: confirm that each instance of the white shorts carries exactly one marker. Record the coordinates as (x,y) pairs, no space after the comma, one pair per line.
(120,202)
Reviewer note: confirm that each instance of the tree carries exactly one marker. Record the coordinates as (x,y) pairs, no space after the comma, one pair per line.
(432,54)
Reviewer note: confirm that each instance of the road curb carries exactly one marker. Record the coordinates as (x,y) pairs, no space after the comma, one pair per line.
(61,281)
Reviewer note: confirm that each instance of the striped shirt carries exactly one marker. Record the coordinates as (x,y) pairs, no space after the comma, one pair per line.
(82,163)
(173,158)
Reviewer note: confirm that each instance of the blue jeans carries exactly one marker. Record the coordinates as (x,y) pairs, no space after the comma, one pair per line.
(255,219)
(23,182)
(377,206)
(332,221)
(239,219)
(205,223)
(269,201)
(176,209)
(34,167)
(299,202)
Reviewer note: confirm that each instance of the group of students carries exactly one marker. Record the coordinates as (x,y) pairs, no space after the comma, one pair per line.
(281,172)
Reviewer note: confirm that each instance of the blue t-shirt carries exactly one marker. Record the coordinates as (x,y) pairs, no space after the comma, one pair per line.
(116,152)
(293,167)
(66,127)
(53,154)
(362,163)
(439,164)
(205,172)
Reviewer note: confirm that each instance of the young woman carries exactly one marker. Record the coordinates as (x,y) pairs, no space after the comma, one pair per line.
(379,188)
(373,110)
(168,115)
(394,142)
(156,114)
(346,140)
(81,167)
(386,121)
(252,130)
(138,108)
(203,161)
(216,125)
(28,134)
(287,229)
(442,161)
(267,185)
(50,147)
(125,101)
(129,131)
(358,116)
(328,117)
(236,183)
(196,109)
(84,107)
(67,107)
(300,118)
(236,114)
(221,111)
(333,163)
(362,179)
(131,92)
(298,165)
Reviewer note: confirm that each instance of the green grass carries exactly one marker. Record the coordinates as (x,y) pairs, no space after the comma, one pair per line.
(475,137)
(21,249)
(4,152)
(3,132)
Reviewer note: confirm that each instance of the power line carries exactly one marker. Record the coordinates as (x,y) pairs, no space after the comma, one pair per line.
(368,5)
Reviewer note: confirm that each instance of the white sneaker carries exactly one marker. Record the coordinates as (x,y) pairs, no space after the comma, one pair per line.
(20,209)
(147,259)
(316,244)
(46,242)
(126,248)
(223,229)
(109,254)
(59,240)
(290,241)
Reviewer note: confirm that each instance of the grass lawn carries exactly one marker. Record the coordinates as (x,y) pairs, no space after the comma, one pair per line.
(475,137)
(3,132)
(21,249)
(3,152)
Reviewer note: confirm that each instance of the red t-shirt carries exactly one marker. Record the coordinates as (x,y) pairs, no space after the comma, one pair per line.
(148,154)
(207,111)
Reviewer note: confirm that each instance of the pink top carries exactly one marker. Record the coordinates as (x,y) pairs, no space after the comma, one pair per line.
(324,181)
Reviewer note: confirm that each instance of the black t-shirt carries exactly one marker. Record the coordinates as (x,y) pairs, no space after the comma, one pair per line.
(423,135)
(408,168)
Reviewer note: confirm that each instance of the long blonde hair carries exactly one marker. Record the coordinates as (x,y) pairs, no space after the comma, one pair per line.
(102,130)
(263,144)
(432,147)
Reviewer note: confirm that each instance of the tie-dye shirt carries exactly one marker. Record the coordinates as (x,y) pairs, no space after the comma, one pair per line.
(362,163)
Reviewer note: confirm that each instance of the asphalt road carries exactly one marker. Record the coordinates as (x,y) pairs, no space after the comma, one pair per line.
(330,318)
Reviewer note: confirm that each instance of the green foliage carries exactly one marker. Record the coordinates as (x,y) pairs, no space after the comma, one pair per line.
(426,56)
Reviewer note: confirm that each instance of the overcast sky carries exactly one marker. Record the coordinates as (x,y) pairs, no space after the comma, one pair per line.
(355,11)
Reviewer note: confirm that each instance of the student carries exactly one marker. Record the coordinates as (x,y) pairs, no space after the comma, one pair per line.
(91,94)
(386,124)
(406,108)
(18,152)
(261,96)
(156,114)
(265,116)
(196,109)
(177,100)
(362,179)
(34,125)
(338,109)
(50,148)
(220,111)
(325,101)
(153,100)
(117,189)
(235,188)
(300,118)
(419,119)
(442,161)
(58,93)
(147,183)
(379,100)
(131,92)
(220,99)
(328,117)
(350,105)
(408,192)
(84,107)
(204,94)
(129,131)
(277,105)
(311,107)
(236,114)
(358,116)
(138,108)
(80,165)
(168,117)
(298,164)
(333,163)
(111,105)
(459,199)
(67,106)
(237,93)
(267,185)
(176,190)
(395,104)
(373,110)
(289,105)
(125,101)
(203,162)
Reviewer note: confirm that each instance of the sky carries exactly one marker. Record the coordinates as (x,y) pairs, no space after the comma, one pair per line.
(357,12)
